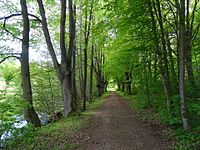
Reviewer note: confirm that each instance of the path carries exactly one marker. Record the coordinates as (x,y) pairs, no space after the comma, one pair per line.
(115,127)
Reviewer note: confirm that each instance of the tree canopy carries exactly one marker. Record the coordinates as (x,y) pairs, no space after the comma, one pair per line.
(57,56)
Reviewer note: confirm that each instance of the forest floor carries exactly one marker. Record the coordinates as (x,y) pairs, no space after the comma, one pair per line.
(116,127)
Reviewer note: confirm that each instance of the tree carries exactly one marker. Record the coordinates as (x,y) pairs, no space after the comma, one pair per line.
(63,69)
(86,37)
(72,48)
(30,114)
(182,36)
(91,68)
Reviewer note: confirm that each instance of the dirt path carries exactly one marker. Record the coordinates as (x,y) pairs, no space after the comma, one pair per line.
(115,127)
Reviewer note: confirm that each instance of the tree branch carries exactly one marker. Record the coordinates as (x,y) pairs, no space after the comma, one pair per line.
(36,18)
(15,15)
(174,15)
(19,14)
(11,34)
(4,24)
(7,57)
(10,16)
(12,54)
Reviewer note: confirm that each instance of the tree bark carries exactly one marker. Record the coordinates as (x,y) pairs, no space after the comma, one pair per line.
(80,55)
(182,36)
(98,71)
(87,34)
(62,69)
(91,68)
(119,86)
(29,112)
(128,82)
(123,87)
(167,81)
(188,52)
(85,62)
(147,84)
(66,62)
(172,67)
(48,38)
(99,83)
(163,67)
(72,34)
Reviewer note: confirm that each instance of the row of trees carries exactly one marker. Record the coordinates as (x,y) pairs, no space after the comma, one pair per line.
(71,37)
(144,46)
(155,41)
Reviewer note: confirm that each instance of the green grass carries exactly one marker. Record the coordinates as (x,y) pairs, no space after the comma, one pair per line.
(159,115)
(139,104)
(136,102)
(56,135)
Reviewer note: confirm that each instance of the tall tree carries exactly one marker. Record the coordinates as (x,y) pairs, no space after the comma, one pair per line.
(161,54)
(63,69)
(91,68)
(190,37)
(182,36)
(30,114)
(86,36)
(164,60)
(72,48)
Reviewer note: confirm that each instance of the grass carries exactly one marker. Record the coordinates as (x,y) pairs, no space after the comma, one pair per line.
(137,102)
(158,118)
(56,135)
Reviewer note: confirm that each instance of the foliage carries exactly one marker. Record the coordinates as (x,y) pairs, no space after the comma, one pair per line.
(10,98)
(136,45)
(56,135)
(46,89)
(187,140)
(159,113)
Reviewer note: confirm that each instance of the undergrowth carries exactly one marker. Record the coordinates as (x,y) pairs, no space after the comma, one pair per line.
(56,135)
(165,125)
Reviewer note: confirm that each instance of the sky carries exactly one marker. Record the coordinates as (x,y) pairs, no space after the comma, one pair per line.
(34,52)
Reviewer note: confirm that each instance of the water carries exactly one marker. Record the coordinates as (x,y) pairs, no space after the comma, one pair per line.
(20,123)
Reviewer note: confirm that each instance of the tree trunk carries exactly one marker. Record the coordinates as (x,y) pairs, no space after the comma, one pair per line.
(72,34)
(99,83)
(172,68)
(163,67)
(29,112)
(123,87)
(61,70)
(188,52)
(66,95)
(167,81)
(98,72)
(87,34)
(128,82)
(189,66)
(182,65)
(155,66)
(66,62)
(85,63)
(147,86)
(91,68)
(80,55)
(48,39)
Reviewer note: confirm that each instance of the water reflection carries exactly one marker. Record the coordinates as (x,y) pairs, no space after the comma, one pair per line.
(20,123)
